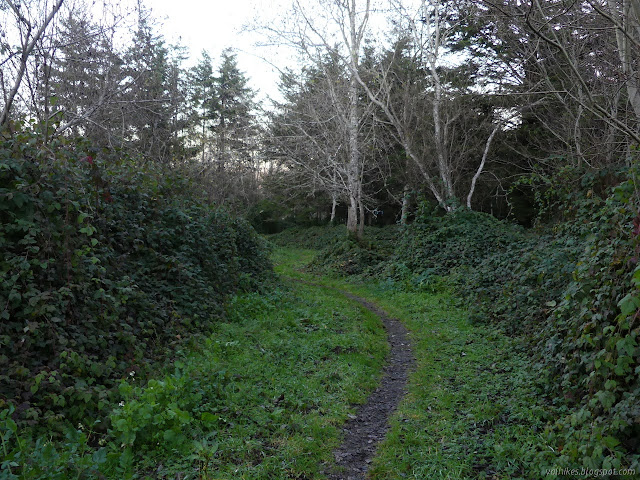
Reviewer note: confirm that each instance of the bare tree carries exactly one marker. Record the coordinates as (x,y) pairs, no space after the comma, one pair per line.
(336,27)
(30,30)
(423,99)
(584,58)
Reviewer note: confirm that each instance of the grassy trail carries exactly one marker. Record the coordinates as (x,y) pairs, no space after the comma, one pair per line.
(267,396)
(468,413)
(264,397)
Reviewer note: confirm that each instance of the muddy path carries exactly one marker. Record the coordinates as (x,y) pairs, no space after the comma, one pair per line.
(363,433)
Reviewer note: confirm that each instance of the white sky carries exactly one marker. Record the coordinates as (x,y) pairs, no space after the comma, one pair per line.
(216,24)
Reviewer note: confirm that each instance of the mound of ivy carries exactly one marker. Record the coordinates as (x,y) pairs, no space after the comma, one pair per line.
(587,343)
(439,244)
(106,263)
(314,238)
(327,237)
(348,257)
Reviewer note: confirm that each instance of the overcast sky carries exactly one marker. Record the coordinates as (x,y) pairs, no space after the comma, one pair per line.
(216,24)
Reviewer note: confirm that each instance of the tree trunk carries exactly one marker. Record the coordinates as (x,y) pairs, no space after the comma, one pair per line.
(487,146)
(334,203)
(362,219)
(354,157)
(405,206)
(27,48)
(352,216)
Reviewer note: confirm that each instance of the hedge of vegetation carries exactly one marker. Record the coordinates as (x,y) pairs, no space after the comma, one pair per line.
(105,264)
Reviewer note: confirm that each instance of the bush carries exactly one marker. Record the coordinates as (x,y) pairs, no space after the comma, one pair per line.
(348,257)
(106,263)
(574,292)
(589,342)
(439,245)
(314,238)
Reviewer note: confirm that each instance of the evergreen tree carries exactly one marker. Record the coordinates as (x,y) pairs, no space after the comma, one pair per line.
(226,129)
(153,111)
(232,112)
(204,103)
(84,81)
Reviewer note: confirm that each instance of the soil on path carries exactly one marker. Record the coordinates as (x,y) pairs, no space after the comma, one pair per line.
(367,429)
(363,433)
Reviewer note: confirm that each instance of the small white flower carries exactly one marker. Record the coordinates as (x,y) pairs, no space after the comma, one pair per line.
(121,404)
(132,373)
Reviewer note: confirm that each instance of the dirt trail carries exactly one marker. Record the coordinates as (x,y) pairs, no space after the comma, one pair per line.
(363,433)
(367,429)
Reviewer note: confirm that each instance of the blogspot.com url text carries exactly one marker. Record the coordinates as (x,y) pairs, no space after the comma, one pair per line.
(591,473)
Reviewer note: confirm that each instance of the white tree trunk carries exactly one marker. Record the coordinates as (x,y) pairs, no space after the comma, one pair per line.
(334,204)
(405,206)
(487,146)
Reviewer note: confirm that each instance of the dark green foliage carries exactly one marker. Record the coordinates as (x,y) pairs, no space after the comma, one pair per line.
(325,237)
(267,217)
(104,264)
(588,344)
(315,238)
(573,293)
(439,244)
(519,281)
(348,257)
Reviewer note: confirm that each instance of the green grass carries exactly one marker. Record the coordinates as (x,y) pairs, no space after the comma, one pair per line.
(471,411)
(265,396)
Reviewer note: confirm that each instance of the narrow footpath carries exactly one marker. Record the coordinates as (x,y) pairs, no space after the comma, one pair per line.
(363,433)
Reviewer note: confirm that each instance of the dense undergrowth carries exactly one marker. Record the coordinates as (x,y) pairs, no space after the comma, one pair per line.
(568,292)
(106,265)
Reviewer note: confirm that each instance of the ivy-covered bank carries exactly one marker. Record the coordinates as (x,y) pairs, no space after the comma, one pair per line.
(107,264)
(570,292)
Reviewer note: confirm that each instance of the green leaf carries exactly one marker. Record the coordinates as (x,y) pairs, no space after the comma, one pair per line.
(610,442)
(11,425)
(629,304)
(99,456)
(626,345)
(208,417)
(607,399)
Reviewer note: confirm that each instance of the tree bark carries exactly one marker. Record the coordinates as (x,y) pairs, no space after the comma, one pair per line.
(405,206)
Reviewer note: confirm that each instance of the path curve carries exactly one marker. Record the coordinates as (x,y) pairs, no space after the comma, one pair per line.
(363,433)
(367,429)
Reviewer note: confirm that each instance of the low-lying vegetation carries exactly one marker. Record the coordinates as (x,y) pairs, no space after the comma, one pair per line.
(263,396)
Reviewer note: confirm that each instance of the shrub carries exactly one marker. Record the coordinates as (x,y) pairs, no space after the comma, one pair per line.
(439,245)
(348,257)
(106,262)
